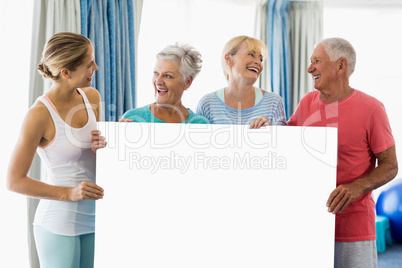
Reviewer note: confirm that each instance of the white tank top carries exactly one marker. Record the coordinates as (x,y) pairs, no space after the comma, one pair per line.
(69,160)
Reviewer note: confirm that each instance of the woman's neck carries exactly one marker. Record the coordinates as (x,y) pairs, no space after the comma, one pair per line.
(170,113)
(240,97)
(61,93)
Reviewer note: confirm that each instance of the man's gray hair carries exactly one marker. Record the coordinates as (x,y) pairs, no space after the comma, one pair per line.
(186,56)
(337,48)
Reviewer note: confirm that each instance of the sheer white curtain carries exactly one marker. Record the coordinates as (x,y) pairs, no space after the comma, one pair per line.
(305,19)
(261,32)
(306,29)
(50,17)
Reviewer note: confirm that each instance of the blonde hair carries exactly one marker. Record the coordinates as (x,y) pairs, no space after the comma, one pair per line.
(63,50)
(233,45)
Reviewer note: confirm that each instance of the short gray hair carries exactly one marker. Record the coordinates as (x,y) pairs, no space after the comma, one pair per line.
(337,48)
(186,56)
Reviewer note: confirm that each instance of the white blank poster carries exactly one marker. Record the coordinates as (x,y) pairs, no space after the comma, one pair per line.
(183,196)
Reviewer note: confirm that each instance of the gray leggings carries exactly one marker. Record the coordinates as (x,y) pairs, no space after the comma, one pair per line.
(361,254)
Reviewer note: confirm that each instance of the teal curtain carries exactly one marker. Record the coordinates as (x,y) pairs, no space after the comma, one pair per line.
(279,49)
(109,24)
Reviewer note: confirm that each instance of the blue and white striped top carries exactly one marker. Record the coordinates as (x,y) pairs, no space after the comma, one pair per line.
(217,112)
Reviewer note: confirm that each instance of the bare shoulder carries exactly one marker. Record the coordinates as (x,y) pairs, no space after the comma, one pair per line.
(38,113)
(37,120)
(92,94)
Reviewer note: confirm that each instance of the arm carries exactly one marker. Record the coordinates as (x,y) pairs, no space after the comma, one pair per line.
(34,130)
(280,114)
(278,118)
(345,194)
(202,107)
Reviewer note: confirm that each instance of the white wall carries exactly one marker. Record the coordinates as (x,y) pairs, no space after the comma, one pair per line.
(207,25)
(15,32)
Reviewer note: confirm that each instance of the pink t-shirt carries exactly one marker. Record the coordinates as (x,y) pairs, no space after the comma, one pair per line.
(363,130)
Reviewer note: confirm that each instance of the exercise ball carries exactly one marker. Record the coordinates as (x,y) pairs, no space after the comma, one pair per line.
(389,204)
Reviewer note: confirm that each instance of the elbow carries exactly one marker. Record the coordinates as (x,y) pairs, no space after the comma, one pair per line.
(9,184)
(396,169)
(393,172)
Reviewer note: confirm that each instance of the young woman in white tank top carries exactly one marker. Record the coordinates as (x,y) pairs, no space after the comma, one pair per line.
(59,127)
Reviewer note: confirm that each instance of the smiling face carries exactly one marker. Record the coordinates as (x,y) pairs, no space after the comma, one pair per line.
(168,82)
(245,64)
(322,69)
(82,76)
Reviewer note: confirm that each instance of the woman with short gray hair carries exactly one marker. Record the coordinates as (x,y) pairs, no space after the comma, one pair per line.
(175,69)
(187,57)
